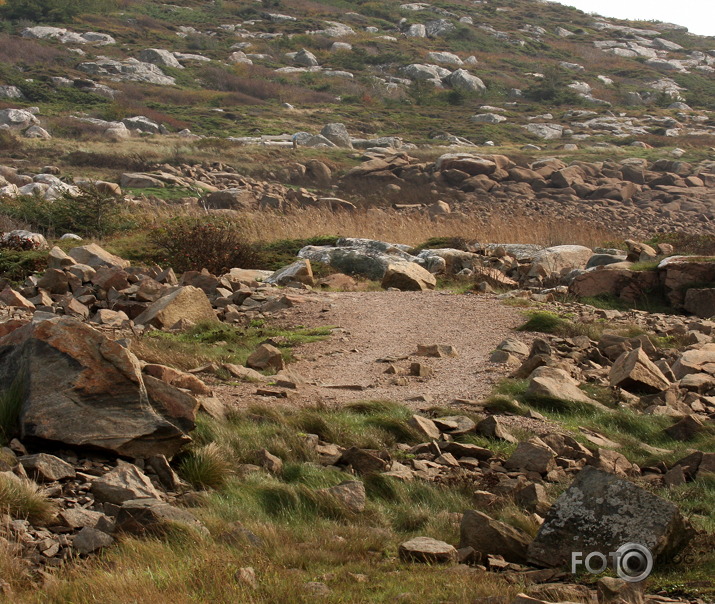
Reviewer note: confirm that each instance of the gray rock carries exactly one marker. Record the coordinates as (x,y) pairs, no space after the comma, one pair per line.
(337,134)
(128,70)
(306,58)
(17,118)
(489,536)
(141,516)
(428,550)
(11,92)
(601,512)
(545,131)
(89,540)
(158,56)
(141,123)
(350,494)
(123,483)
(46,468)
(461,79)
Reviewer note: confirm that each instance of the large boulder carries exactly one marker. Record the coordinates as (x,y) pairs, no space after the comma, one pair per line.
(81,389)
(337,134)
(299,271)
(408,276)
(461,79)
(188,303)
(352,256)
(18,119)
(635,372)
(551,383)
(558,259)
(489,536)
(601,512)
(158,56)
(95,256)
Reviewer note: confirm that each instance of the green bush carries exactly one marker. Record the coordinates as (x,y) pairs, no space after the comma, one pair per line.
(214,243)
(90,214)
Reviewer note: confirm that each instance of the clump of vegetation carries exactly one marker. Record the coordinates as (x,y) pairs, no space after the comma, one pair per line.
(92,213)
(216,244)
(52,10)
(23,499)
(544,321)
(220,343)
(206,467)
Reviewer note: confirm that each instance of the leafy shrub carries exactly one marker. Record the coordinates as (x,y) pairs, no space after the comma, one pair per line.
(90,214)
(214,243)
(16,266)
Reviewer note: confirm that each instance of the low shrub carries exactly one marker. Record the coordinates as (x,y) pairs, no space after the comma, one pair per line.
(214,243)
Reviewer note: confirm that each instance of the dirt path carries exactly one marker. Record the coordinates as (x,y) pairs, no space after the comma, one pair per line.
(379,325)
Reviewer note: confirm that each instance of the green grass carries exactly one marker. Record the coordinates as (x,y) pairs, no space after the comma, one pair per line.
(205,467)
(544,321)
(221,343)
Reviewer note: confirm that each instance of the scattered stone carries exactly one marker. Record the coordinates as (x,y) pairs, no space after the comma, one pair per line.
(428,550)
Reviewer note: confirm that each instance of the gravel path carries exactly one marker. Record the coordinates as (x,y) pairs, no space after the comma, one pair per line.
(379,325)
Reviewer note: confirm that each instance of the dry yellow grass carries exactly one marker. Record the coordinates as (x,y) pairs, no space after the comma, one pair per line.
(416,228)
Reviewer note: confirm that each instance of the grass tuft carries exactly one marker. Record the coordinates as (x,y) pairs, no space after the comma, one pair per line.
(206,467)
(23,499)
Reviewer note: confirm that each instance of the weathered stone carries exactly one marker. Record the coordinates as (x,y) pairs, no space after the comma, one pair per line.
(362,461)
(635,372)
(425,427)
(492,427)
(350,494)
(686,429)
(532,456)
(426,549)
(89,540)
(46,468)
(125,482)
(436,350)
(558,385)
(83,389)
(94,256)
(188,303)
(601,512)
(408,276)
(489,536)
(300,271)
(140,516)
(266,356)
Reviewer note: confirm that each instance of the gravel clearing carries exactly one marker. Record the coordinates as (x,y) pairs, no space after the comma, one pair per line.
(390,325)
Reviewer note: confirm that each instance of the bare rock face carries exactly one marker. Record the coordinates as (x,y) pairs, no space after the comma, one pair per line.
(601,512)
(82,389)
(94,256)
(635,372)
(188,303)
(408,276)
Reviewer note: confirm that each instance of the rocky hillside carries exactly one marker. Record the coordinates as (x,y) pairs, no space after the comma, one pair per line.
(503,70)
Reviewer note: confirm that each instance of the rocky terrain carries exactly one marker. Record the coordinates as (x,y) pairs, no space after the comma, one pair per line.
(355,302)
